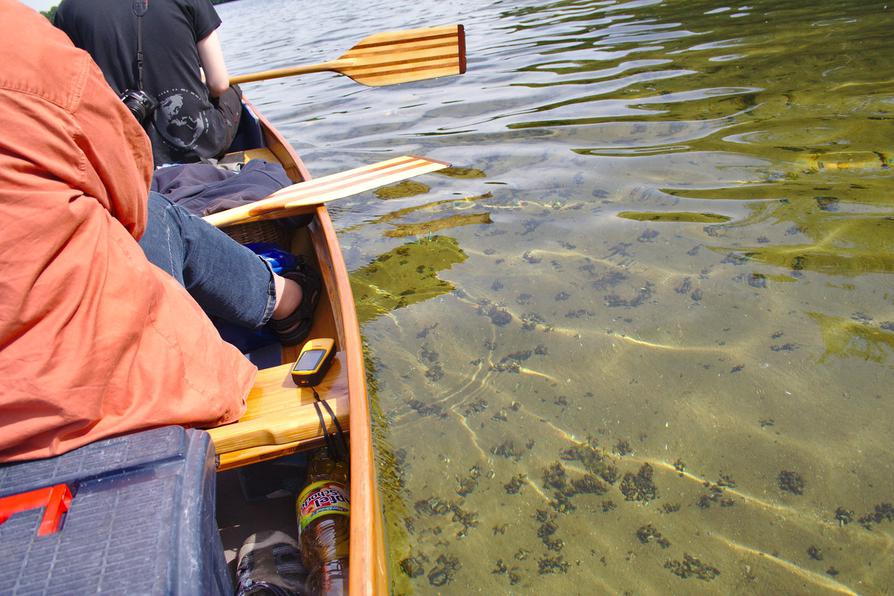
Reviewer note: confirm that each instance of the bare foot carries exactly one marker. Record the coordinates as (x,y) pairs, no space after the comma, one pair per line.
(288,296)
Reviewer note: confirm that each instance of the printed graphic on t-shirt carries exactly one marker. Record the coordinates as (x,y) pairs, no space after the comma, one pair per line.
(180,118)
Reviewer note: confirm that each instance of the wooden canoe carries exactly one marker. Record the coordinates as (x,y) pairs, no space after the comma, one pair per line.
(280,419)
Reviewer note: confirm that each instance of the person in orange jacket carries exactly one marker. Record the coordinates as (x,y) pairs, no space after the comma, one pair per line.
(96,340)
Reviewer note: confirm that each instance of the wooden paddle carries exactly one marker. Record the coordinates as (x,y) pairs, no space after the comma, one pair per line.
(301,197)
(390,58)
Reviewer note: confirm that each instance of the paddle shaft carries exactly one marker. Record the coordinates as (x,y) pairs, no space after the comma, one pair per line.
(278,73)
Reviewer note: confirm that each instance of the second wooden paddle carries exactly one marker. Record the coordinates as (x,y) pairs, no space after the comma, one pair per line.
(305,195)
(389,58)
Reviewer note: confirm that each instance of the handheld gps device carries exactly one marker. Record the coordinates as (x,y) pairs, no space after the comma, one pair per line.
(313,362)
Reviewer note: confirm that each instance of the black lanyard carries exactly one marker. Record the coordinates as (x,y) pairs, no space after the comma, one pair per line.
(335,442)
(139,9)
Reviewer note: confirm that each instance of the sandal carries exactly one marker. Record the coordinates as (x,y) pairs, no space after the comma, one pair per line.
(293,329)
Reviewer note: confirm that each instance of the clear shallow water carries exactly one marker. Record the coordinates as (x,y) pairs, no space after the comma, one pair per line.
(642,338)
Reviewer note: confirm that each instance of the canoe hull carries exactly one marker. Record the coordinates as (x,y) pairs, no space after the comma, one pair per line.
(368,563)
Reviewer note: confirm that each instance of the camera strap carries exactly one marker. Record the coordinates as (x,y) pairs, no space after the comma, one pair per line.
(139,8)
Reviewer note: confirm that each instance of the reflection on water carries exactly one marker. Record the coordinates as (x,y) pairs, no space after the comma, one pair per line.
(641,338)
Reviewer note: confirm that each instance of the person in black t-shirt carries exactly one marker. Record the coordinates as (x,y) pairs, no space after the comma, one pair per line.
(194,119)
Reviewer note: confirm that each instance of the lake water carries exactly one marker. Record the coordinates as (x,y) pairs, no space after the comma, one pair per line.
(641,338)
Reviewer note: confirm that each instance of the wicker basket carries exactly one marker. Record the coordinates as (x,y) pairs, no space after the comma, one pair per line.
(271,231)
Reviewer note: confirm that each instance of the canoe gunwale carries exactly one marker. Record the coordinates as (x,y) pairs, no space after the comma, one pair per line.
(368,562)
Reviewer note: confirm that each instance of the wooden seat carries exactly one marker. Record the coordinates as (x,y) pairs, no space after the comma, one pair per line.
(280,417)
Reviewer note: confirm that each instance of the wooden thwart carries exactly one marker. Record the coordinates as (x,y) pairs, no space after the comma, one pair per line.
(304,196)
(389,58)
(280,417)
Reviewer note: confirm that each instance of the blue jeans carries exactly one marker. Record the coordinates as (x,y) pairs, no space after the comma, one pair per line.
(229,281)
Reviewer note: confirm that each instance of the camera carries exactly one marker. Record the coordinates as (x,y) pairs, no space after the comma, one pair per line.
(140,104)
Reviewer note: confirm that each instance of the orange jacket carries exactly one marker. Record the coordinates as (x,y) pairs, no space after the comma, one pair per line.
(94,340)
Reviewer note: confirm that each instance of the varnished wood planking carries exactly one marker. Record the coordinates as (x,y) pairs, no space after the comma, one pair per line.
(253,455)
(279,412)
(368,570)
(356,176)
(293,198)
(409,36)
(405,74)
(361,181)
(390,58)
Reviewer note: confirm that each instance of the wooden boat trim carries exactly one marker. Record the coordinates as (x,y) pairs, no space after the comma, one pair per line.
(367,566)
(366,513)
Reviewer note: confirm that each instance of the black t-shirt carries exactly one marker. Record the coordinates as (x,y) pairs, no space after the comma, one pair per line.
(185,126)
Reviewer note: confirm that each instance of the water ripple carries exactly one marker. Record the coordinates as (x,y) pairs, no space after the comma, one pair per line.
(648,346)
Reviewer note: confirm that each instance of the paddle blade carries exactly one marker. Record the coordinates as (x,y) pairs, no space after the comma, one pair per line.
(307,195)
(406,56)
(352,182)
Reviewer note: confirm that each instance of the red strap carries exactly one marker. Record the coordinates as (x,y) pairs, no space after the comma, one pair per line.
(55,499)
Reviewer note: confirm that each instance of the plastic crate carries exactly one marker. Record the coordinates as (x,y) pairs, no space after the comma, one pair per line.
(141,519)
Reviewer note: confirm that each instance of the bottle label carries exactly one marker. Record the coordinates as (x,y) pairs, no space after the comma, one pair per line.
(322,498)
